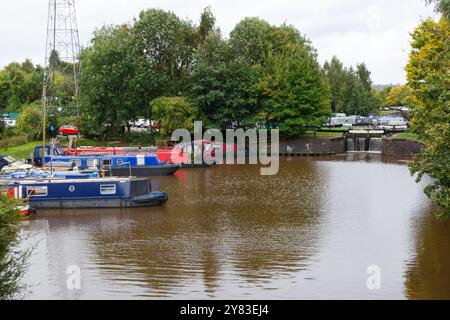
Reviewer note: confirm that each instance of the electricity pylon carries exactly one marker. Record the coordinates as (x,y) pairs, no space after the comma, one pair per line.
(62,62)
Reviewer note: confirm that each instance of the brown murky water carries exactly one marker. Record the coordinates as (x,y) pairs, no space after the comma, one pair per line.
(310,232)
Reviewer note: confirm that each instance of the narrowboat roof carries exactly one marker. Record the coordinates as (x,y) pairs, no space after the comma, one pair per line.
(106,156)
(62,180)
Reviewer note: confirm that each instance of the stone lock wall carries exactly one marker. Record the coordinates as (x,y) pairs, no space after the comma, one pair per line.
(401,148)
(313,146)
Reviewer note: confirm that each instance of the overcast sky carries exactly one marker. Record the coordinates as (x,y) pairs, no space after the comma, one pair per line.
(372,31)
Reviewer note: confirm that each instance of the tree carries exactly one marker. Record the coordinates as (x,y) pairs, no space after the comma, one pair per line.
(356,98)
(173,113)
(209,76)
(335,73)
(13,263)
(399,96)
(429,79)
(207,25)
(113,85)
(351,90)
(30,121)
(20,84)
(295,93)
(364,76)
(442,6)
(249,41)
(167,44)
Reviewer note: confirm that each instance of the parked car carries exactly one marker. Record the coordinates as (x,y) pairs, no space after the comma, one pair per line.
(68,131)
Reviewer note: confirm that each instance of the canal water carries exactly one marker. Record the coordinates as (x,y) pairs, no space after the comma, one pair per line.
(311,232)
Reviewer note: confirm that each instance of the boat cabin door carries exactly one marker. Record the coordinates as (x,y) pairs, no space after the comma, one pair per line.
(140,160)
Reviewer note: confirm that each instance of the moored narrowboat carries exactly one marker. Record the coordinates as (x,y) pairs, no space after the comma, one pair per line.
(87,193)
(126,165)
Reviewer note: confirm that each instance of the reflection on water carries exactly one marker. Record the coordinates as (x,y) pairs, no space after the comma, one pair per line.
(427,275)
(228,233)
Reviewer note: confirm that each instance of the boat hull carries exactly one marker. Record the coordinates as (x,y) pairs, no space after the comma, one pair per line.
(156,199)
(57,193)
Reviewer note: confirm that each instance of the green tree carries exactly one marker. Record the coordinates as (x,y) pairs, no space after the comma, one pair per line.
(113,86)
(20,84)
(295,93)
(249,41)
(207,24)
(364,76)
(356,98)
(335,73)
(13,263)
(442,6)
(429,78)
(351,90)
(30,121)
(209,77)
(173,113)
(167,44)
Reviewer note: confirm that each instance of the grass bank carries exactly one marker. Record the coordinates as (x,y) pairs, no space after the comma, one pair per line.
(407,136)
(323,135)
(20,152)
(25,150)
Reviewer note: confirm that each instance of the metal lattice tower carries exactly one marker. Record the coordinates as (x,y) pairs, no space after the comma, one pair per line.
(62,56)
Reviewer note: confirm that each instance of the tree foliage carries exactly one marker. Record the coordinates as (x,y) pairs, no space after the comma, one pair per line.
(113,85)
(20,84)
(350,90)
(442,6)
(167,44)
(399,96)
(30,121)
(173,113)
(13,263)
(294,91)
(429,78)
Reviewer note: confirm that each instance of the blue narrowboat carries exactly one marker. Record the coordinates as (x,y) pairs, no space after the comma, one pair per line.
(55,193)
(137,165)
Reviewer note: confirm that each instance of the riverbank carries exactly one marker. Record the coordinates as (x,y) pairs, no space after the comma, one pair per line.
(24,151)
(20,152)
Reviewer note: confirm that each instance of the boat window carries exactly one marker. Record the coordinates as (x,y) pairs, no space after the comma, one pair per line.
(9,160)
(57,151)
(120,162)
(106,162)
(38,153)
(37,191)
(109,189)
(92,163)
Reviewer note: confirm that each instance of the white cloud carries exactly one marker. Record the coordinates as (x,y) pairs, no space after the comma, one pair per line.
(372,31)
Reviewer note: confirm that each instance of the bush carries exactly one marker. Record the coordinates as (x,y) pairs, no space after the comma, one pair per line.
(13,263)
(9,132)
(13,141)
(141,139)
(30,122)
(173,113)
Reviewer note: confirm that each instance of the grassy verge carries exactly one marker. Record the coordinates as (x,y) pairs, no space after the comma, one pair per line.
(407,136)
(20,152)
(310,134)
(24,151)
